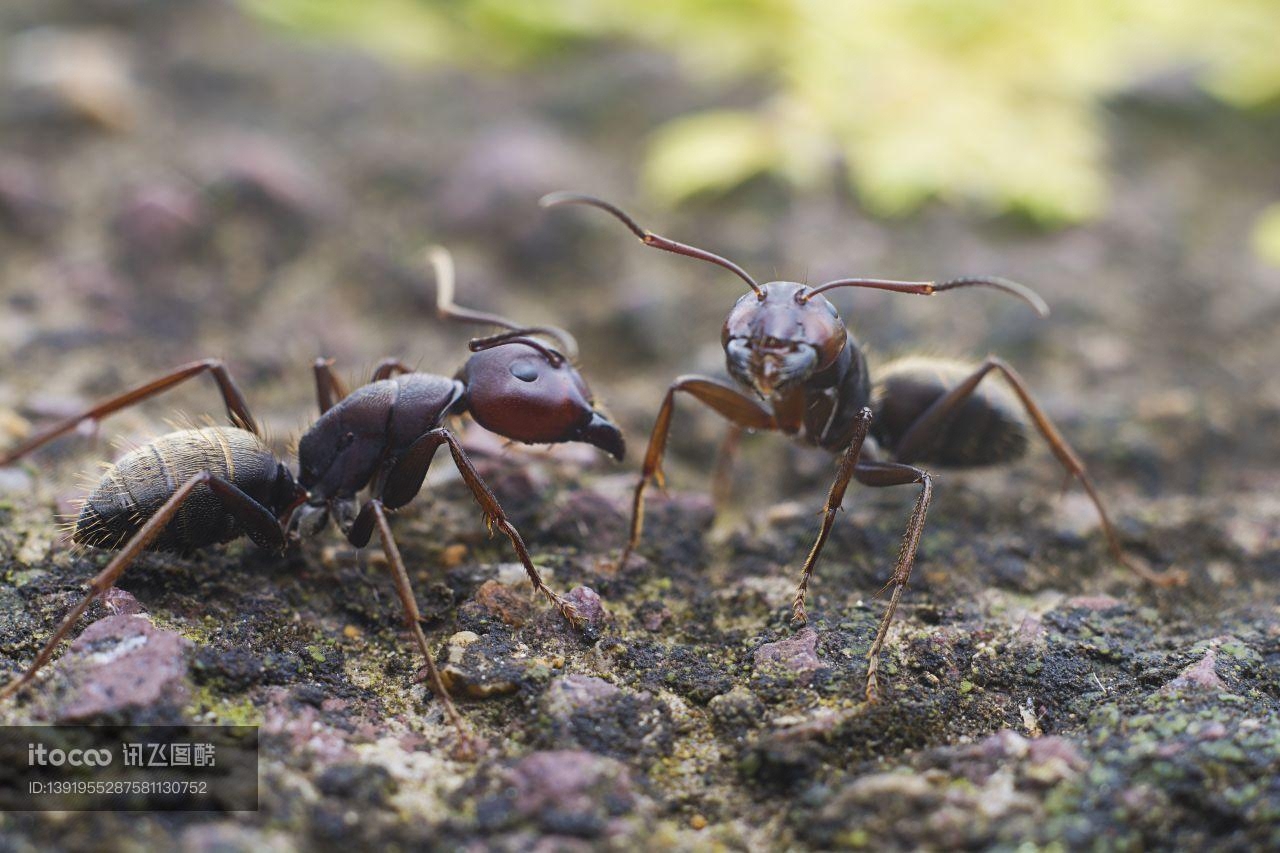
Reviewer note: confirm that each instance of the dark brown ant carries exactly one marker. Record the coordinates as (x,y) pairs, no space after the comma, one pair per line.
(194,488)
(785,343)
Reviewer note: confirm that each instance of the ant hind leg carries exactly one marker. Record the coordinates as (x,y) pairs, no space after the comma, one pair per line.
(944,418)
(237,406)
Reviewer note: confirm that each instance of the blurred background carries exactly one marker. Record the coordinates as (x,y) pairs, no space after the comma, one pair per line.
(257,181)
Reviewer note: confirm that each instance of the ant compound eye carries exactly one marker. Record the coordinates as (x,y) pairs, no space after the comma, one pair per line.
(832,309)
(524,370)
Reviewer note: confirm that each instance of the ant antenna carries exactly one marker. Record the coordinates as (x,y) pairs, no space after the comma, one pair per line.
(516,336)
(928,288)
(442,262)
(648,237)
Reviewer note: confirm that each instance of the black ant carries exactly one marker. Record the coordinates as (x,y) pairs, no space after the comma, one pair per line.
(785,343)
(194,488)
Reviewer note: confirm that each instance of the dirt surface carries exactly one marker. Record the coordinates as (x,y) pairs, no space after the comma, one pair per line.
(231,192)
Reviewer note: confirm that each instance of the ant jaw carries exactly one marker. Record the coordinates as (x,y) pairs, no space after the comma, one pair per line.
(770,372)
(600,432)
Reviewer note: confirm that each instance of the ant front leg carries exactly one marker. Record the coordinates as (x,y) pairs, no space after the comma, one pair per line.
(835,497)
(372,515)
(933,423)
(257,521)
(878,475)
(730,403)
(237,406)
(404,481)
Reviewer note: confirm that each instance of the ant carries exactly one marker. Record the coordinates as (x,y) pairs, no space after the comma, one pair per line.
(785,343)
(194,488)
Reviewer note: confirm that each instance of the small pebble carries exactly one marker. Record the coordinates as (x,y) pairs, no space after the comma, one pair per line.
(798,654)
(453,555)
(123,663)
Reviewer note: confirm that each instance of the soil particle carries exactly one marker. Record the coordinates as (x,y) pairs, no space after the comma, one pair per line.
(589,713)
(1201,675)
(563,792)
(797,655)
(124,667)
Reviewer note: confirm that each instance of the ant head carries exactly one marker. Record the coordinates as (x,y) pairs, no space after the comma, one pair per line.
(518,386)
(780,338)
(528,392)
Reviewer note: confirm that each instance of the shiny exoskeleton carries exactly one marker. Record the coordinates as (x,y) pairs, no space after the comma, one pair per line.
(194,488)
(800,372)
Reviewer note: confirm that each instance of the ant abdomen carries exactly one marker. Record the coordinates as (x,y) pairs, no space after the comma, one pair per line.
(988,428)
(133,489)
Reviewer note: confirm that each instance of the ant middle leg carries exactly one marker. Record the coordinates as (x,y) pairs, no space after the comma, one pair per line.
(934,422)
(237,406)
(404,481)
(258,522)
(330,389)
(373,515)
(730,403)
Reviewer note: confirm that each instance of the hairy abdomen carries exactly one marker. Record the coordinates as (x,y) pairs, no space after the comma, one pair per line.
(137,486)
(989,428)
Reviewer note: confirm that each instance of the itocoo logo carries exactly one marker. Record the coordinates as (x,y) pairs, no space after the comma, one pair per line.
(39,754)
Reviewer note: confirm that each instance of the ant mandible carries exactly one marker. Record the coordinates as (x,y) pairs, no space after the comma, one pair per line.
(194,488)
(785,343)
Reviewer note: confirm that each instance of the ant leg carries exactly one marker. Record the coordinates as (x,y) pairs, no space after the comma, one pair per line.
(371,515)
(258,522)
(237,407)
(389,367)
(330,388)
(835,497)
(730,403)
(722,479)
(934,421)
(878,475)
(405,480)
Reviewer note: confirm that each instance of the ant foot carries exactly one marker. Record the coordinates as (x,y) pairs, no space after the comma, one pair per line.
(568,610)
(1167,579)
(468,748)
(798,615)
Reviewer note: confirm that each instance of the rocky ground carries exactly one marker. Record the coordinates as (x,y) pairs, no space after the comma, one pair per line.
(213,188)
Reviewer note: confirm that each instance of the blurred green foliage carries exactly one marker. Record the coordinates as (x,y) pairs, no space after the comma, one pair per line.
(1266,235)
(991,103)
